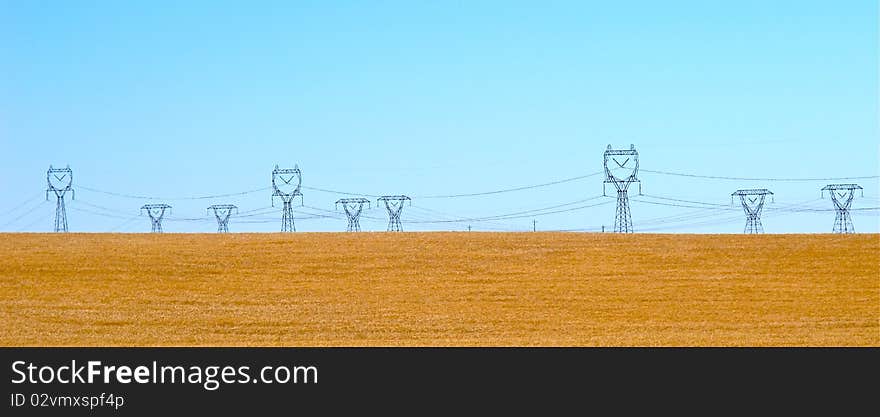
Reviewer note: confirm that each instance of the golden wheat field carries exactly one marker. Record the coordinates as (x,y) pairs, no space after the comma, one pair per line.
(439,289)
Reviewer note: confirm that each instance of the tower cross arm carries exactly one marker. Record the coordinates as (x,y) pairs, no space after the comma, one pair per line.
(752,191)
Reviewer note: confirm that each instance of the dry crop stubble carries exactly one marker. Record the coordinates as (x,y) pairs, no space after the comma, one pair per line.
(439,289)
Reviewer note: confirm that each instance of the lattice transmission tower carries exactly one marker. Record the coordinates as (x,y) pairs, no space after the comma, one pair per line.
(394,205)
(752,202)
(156,213)
(353,208)
(622,171)
(222,212)
(59,181)
(286,183)
(842,195)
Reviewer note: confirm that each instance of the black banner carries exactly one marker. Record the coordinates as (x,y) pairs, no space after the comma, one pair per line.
(413,381)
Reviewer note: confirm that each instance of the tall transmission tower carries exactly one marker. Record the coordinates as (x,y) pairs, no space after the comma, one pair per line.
(842,195)
(622,171)
(286,183)
(156,213)
(752,202)
(394,205)
(60,181)
(222,213)
(353,208)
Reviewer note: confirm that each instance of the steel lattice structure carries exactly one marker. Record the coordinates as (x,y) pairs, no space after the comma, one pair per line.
(752,202)
(156,213)
(394,205)
(286,183)
(623,172)
(842,195)
(59,181)
(353,208)
(222,213)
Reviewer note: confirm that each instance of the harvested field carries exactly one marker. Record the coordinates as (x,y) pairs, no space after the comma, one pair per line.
(439,289)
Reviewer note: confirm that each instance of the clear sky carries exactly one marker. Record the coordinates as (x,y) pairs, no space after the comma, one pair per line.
(185,99)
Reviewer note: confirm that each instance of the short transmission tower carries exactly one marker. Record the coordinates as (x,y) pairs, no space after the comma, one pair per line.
(622,170)
(842,195)
(222,213)
(353,208)
(60,181)
(752,203)
(394,204)
(156,213)
(286,182)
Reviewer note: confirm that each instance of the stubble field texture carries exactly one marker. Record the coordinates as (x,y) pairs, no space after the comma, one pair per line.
(439,289)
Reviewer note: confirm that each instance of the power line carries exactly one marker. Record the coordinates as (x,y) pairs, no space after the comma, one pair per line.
(324,190)
(683,201)
(27,212)
(77,202)
(826,210)
(515,215)
(704,213)
(276,220)
(492,192)
(126,223)
(430,212)
(508,190)
(786,208)
(428,216)
(110,216)
(714,177)
(690,215)
(512,215)
(682,221)
(658,203)
(712,222)
(543,209)
(337,215)
(24,203)
(708,222)
(693,225)
(188,219)
(257,212)
(25,227)
(475,194)
(143,197)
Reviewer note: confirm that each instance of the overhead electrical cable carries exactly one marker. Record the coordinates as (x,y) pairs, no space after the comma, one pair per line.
(143,197)
(508,190)
(26,213)
(715,177)
(682,201)
(515,215)
(24,203)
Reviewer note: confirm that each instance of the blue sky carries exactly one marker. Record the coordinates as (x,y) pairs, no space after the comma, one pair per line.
(184,99)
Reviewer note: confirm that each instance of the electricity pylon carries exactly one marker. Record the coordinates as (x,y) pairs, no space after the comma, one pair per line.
(353,208)
(156,213)
(752,202)
(842,195)
(60,181)
(394,205)
(286,182)
(222,213)
(622,172)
